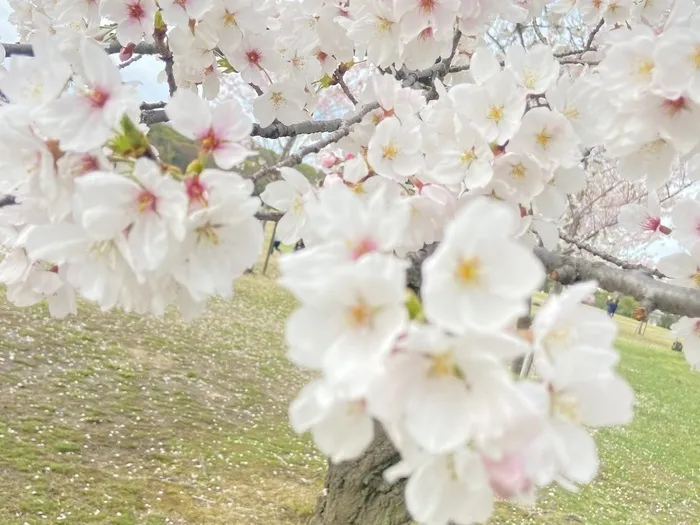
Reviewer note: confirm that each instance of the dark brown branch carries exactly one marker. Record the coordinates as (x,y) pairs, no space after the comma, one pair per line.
(338,76)
(112,48)
(166,56)
(610,258)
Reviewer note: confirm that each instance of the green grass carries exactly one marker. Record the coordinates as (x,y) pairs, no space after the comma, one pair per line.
(118,419)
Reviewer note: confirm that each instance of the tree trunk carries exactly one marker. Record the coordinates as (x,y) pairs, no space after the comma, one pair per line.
(356,493)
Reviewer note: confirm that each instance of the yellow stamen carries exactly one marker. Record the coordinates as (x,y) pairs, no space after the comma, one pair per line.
(543,138)
(495,113)
(467,157)
(359,315)
(518,171)
(530,78)
(208,233)
(442,365)
(467,272)
(390,151)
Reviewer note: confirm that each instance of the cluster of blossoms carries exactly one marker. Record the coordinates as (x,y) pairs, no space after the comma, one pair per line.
(458,144)
(99,214)
(436,377)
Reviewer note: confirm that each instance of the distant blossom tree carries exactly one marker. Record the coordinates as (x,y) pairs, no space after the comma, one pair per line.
(476,142)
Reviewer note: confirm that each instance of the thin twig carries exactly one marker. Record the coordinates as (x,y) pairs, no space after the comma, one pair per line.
(341,82)
(133,59)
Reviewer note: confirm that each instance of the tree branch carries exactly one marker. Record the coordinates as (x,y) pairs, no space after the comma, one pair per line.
(298,157)
(610,258)
(635,283)
(589,42)
(112,48)
(133,59)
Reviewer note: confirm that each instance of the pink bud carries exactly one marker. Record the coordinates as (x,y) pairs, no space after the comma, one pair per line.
(508,475)
(328,161)
(349,156)
(126,52)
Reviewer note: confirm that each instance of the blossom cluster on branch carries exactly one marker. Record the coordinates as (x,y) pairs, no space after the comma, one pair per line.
(454,141)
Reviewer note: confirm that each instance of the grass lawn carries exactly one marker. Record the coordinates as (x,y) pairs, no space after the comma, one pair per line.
(117,419)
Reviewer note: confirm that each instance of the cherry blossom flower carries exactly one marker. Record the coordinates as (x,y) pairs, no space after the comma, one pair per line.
(576,101)
(216,132)
(584,391)
(283,101)
(649,157)
(449,387)
(420,52)
(341,428)
(84,120)
(375,31)
(521,176)
(548,137)
(564,327)
(551,201)
(100,270)
(686,222)
(394,150)
(177,13)
(32,82)
(255,59)
(289,195)
(683,268)
(483,65)
(232,18)
(536,69)
(479,276)
(629,66)
(134,18)
(467,158)
(362,318)
(151,206)
(452,488)
(416,15)
(349,226)
(495,108)
(636,218)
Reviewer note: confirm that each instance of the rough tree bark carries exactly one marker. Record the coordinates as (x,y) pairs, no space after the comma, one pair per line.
(356,493)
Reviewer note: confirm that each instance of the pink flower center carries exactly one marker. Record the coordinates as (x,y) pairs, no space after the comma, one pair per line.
(146,201)
(363,247)
(196,191)
(254,57)
(88,163)
(135,11)
(651,223)
(210,142)
(98,97)
(674,107)
(426,6)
